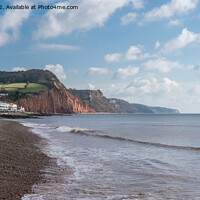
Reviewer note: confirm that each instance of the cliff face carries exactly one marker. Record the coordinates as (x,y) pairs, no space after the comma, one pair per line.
(126,107)
(95,100)
(163,110)
(56,100)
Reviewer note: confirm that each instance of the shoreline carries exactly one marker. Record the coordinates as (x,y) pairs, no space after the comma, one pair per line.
(21,160)
(15,115)
(37,115)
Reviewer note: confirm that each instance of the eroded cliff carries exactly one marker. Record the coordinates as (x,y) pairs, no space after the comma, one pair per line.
(95,100)
(56,100)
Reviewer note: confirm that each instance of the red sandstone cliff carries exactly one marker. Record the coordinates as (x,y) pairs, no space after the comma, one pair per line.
(56,100)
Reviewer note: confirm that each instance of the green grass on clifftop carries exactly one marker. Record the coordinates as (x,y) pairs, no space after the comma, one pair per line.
(35,87)
(21,87)
(22,84)
(12,87)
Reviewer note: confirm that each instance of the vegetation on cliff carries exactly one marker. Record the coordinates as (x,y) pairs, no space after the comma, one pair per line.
(95,100)
(21,84)
(163,110)
(23,87)
(39,91)
(43,77)
(126,107)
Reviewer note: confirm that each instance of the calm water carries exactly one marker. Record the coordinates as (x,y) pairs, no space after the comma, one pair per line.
(121,156)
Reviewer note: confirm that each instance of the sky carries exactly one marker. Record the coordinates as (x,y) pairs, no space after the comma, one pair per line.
(142,51)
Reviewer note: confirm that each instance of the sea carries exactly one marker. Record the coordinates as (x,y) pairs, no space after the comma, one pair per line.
(119,156)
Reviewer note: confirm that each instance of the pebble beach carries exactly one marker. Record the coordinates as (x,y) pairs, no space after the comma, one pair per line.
(21,160)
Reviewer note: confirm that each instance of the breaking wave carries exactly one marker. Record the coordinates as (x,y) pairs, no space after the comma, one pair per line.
(94,133)
(74,129)
(87,132)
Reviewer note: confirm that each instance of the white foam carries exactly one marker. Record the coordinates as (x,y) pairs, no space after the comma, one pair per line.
(55,149)
(63,129)
(69,129)
(38,126)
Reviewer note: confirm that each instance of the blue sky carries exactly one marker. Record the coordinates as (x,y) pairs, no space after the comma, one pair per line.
(142,51)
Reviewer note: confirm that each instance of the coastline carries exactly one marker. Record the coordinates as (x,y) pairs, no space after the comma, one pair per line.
(21,160)
(16,115)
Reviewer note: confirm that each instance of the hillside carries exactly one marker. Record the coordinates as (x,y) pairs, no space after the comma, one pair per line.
(95,100)
(22,84)
(126,107)
(33,76)
(163,110)
(39,91)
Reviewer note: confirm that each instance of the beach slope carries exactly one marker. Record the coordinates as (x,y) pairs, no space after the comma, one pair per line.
(21,160)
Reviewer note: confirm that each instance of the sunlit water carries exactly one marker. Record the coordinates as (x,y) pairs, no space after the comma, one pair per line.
(121,156)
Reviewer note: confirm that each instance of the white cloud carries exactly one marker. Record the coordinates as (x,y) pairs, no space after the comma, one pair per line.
(16,69)
(112,86)
(169,84)
(152,86)
(4,38)
(90,14)
(189,67)
(96,70)
(143,85)
(58,70)
(11,22)
(138,4)
(174,22)
(128,18)
(135,53)
(123,73)
(185,38)
(161,64)
(170,9)
(157,45)
(61,47)
(116,57)
(91,86)
(148,90)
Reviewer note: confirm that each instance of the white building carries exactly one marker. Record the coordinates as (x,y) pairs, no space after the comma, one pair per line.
(2,94)
(4,107)
(10,107)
